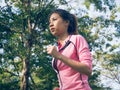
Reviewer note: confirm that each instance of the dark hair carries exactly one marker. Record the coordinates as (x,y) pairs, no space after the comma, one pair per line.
(65,15)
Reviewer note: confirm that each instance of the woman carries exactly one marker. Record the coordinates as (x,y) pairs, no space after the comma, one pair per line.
(72,58)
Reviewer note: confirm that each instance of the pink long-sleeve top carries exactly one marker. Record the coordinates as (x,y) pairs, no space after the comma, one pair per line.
(78,50)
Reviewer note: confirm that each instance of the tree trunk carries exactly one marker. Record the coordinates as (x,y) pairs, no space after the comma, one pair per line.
(25,71)
(25,75)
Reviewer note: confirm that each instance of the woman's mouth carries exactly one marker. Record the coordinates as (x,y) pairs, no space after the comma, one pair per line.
(52,29)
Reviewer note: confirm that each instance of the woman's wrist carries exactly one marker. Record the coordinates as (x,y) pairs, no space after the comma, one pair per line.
(59,56)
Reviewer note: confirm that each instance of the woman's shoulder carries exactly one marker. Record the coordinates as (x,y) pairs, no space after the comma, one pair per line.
(79,40)
(78,36)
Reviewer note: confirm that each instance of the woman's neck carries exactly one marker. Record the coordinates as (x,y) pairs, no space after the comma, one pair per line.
(62,38)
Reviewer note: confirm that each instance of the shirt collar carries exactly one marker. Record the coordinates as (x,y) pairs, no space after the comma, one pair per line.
(60,45)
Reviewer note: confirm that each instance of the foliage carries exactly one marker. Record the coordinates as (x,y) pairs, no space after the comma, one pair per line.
(105,50)
(100,32)
(24,36)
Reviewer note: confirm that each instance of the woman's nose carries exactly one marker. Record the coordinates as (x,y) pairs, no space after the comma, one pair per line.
(51,24)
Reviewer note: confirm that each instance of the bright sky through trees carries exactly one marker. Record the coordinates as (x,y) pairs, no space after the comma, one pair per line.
(77,5)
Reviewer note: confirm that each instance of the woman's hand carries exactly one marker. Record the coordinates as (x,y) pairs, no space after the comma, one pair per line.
(52,50)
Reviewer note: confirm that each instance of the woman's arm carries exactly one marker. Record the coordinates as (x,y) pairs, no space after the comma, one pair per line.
(78,66)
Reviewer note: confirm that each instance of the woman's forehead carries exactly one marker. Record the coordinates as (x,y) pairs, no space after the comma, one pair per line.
(54,15)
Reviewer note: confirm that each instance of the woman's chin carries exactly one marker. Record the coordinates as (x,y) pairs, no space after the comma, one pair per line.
(54,34)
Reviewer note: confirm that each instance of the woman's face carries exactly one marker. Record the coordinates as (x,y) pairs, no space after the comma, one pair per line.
(57,25)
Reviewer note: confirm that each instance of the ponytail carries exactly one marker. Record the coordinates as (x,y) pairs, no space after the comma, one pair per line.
(72,28)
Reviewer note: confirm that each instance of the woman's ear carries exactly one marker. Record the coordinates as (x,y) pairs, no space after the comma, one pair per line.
(67,22)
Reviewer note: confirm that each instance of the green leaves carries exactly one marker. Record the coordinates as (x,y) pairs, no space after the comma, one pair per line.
(24,35)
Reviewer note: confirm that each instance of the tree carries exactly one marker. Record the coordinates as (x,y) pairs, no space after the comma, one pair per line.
(96,29)
(104,46)
(23,36)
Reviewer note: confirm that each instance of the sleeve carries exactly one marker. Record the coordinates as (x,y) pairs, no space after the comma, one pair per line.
(84,53)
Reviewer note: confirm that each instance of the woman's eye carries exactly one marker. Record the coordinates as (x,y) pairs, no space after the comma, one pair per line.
(54,19)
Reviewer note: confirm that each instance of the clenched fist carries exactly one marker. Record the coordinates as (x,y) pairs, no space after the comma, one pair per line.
(52,50)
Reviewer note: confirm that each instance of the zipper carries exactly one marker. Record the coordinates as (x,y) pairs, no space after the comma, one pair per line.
(56,69)
(55,61)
